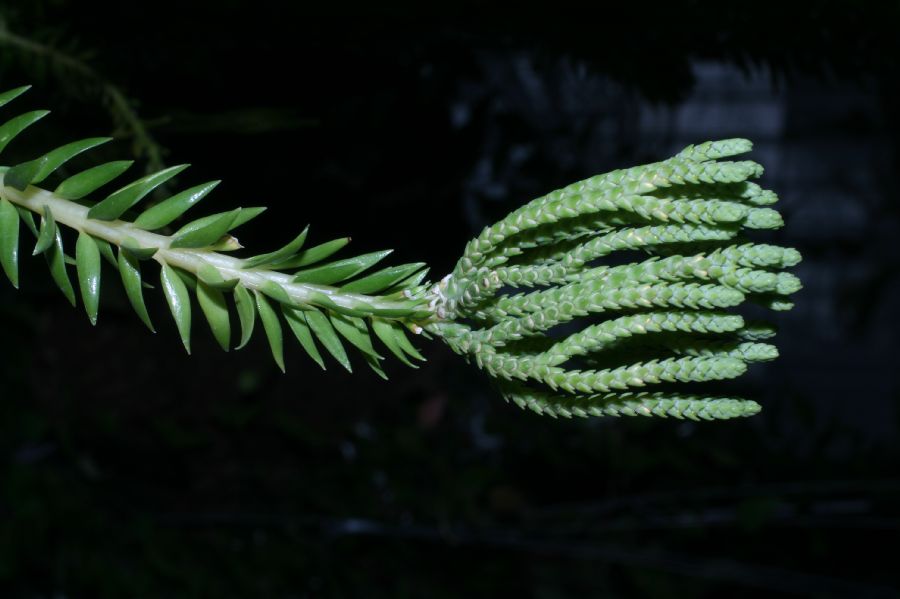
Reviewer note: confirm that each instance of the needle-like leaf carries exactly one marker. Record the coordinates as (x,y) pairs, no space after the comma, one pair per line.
(340,270)
(11,128)
(246,309)
(35,171)
(204,231)
(168,210)
(130,271)
(86,182)
(296,320)
(273,258)
(47,233)
(179,303)
(272,327)
(212,304)
(119,201)
(321,326)
(87,261)
(56,259)
(9,241)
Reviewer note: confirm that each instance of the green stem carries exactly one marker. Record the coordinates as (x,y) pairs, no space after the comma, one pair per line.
(117,232)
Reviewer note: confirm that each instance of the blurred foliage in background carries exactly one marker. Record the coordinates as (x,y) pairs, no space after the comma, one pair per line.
(214,475)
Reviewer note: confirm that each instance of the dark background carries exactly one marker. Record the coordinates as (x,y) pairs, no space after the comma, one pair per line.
(128,469)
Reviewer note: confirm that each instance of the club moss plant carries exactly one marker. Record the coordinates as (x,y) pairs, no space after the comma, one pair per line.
(545,301)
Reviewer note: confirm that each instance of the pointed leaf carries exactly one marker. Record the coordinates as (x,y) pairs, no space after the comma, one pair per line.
(382,279)
(385,332)
(9,96)
(56,259)
(314,254)
(321,326)
(272,327)
(339,270)
(354,330)
(28,218)
(212,303)
(11,128)
(130,271)
(296,320)
(179,303)
(375,366)
(404,343)
(87,263)
(106,251)
(35,171)
(246,310)
(47,234)
(212,277)
(410,283)
(280,255)
(246,215)
(168,210)
(204,231)
(9,241)
(86,182)
(120,201)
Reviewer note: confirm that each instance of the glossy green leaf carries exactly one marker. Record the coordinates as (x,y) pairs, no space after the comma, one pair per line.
(375,366)
(87,263)
(131,246)
(106,251)
(339,270)
(11,128)
(168,210)
(130,271)
(410,283)
(118,202)
(179,303)
(385,332)
(47,233)
(9,96)
(213,305)
(246,215)
(246,310)
(189,280)
(9,241)
(326,335)
(314,254)
(383,279)
(404,343)
(272,327)
(213,278)
(56,259)
(354,330)
(280,255)
(296,320)
(27,217)
(276,292)
(35,171)
(204,231)
(92,179)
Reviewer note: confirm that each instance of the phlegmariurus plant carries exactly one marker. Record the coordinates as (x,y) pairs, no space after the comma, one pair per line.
(535,301)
